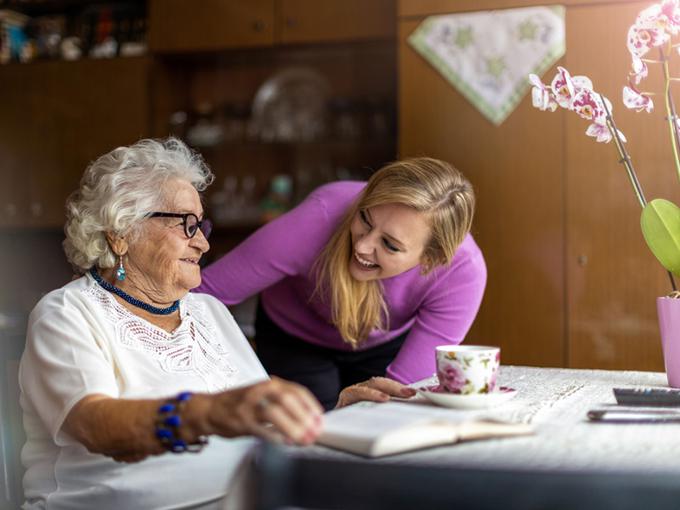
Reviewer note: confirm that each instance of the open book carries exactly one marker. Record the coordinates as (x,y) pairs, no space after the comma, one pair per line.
(374,430)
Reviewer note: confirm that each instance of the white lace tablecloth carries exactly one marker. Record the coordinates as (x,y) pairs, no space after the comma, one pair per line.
(556,401)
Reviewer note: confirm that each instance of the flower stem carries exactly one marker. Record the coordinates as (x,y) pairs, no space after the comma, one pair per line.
(624,156)
(628,164)
(670,113)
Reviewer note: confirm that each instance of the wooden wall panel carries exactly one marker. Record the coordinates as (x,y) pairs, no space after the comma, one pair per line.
(613,279)
(407,8)
(568,266)
(517,173)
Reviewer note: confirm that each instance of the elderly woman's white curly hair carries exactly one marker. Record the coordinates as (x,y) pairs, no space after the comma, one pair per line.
(118,190)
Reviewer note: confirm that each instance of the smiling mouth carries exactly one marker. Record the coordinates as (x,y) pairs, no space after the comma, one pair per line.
(367,264)
(190,261)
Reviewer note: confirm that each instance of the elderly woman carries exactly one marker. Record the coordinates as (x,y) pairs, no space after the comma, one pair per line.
(123,364)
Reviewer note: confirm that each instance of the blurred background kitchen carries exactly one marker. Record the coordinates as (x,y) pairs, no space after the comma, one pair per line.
(281,96)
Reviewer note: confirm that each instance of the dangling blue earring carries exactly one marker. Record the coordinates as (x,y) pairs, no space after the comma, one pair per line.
(120,272)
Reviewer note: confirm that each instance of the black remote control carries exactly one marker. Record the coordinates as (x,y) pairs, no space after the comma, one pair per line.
(647,396)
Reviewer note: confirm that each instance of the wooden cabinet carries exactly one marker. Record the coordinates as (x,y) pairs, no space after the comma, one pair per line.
(309,21)
(356,112)
(571,282)
(185,25)
(61,116)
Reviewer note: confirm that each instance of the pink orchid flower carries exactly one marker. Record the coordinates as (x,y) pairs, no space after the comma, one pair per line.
(563,87)
(671,10)
(661,16)
(641,39)
(541,95)
(635,100)
(640,70)
(601,133)
(576,94)
(588,106)
(653,27)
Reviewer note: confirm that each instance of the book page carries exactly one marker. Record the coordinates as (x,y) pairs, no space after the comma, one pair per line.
(373,419)
(381,429)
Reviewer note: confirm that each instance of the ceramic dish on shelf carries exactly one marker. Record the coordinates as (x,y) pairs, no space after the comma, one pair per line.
(291,106)
(473,401)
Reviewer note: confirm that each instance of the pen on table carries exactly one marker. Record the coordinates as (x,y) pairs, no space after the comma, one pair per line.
(634,415)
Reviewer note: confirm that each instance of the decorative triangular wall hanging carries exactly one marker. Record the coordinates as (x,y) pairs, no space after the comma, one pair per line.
(488,55)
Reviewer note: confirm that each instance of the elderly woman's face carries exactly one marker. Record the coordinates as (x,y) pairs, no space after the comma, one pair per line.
(163,259)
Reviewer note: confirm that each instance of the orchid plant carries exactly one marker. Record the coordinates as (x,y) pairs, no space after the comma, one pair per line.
(655,27)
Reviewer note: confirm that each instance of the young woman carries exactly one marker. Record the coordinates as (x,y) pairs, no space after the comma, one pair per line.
(361,279)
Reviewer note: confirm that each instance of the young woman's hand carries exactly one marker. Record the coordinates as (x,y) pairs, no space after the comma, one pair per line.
(277,410)
(376,389)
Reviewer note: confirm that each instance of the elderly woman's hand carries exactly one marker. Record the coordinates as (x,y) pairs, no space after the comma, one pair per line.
(275,409)
(376,389)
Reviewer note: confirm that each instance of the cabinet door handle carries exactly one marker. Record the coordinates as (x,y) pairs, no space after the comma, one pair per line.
(258,25)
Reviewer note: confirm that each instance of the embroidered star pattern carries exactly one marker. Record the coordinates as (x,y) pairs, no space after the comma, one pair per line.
(463,37)
(495,66)
(527,30)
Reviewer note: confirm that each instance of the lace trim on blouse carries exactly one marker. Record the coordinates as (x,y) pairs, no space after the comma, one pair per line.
(192,347)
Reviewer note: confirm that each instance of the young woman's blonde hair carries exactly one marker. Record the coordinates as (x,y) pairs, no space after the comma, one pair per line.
(430,186)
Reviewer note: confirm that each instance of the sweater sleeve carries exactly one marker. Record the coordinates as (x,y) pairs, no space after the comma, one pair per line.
(444,317)
(284,247)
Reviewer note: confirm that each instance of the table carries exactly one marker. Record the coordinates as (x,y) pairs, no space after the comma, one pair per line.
(629,460)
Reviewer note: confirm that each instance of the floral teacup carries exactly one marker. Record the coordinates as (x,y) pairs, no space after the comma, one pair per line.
(467,369)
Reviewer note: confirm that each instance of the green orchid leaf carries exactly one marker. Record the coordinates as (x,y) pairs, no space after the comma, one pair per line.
(660,222)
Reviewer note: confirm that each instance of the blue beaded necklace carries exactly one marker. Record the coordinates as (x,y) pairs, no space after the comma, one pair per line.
(133,301)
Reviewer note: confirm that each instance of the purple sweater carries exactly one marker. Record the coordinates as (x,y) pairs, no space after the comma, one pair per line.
(277,260)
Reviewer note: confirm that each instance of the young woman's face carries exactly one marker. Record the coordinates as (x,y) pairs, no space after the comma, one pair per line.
(387,240)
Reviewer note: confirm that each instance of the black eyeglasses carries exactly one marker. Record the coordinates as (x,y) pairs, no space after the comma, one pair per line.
(190,222)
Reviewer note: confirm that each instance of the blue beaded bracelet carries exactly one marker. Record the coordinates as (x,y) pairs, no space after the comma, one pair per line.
(169,422)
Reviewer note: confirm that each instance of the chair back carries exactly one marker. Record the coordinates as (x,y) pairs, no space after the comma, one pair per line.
(12,437)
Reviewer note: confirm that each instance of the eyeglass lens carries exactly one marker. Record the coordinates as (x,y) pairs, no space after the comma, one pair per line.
(192,225)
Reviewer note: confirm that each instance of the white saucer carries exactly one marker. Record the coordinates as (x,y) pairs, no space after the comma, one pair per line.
(475,401)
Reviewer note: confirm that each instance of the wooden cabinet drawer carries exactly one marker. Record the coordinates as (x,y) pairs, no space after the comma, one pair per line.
(309,21)
(186,25)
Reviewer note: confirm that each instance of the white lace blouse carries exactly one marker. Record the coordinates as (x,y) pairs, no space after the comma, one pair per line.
(81,341)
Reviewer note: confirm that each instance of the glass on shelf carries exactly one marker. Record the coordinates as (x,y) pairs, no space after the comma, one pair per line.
(235,121)
(177,124)
(279,199)
(235,203)
(346,118)
(14,43)
(206,131)
(48,32)
(378,118)
(290,107)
